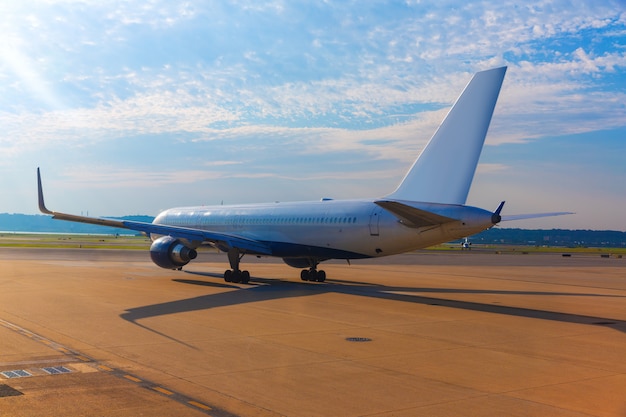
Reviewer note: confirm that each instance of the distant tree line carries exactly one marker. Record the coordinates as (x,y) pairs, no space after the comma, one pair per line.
(46,224)
(554,237)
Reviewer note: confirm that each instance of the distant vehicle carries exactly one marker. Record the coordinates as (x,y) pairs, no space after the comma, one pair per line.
(427,208)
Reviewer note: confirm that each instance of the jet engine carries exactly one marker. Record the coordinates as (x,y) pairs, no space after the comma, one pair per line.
(170,253)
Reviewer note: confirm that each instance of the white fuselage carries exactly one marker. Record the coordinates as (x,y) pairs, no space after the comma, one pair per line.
(339,229)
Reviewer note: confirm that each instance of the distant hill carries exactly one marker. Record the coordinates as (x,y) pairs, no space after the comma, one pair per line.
(555,237)
(45,224)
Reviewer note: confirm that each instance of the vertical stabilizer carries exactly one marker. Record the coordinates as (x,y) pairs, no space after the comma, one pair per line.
(444,170)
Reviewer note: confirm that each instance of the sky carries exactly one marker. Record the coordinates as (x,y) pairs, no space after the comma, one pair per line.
(134,107)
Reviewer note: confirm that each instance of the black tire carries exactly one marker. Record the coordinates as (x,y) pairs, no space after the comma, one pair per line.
(321,276)
(304,275)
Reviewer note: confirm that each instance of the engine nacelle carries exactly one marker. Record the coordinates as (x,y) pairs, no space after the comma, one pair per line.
(170,253)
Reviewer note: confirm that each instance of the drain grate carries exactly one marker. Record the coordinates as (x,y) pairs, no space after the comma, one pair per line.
(55,370)
(23,373)
(7,391)
(19,373)
(358,339)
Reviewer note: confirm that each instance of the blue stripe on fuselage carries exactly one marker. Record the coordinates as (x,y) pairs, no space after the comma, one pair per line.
(292,250)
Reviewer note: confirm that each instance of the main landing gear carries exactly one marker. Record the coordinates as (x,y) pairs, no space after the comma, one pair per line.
(313,275)
(235,274)
(238,276)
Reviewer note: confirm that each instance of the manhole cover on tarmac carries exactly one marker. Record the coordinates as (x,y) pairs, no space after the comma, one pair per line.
(7,391)
(358,339)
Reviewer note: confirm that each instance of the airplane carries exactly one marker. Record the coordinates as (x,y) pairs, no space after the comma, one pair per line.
(427,208)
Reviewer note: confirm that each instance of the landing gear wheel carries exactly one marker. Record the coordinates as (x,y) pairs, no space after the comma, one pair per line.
(312,275)
(304,275)
(237,276)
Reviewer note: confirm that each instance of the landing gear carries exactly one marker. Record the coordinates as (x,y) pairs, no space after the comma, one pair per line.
(313,275)
(235,274)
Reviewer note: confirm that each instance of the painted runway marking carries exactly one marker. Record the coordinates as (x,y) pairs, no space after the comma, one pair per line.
(132,378)
(199,405)
(163,391)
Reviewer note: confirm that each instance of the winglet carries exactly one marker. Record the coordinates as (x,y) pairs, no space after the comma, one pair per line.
(42,205)
(72,217)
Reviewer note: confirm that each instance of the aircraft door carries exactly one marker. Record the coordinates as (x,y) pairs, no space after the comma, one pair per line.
(374,221)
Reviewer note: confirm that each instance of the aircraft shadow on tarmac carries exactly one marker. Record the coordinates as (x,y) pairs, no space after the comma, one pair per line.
(262,289)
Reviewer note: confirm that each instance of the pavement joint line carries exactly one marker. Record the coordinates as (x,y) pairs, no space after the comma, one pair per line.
(118,373)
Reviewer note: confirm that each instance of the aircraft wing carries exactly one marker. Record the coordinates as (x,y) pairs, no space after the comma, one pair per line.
(190,234)
(413,216)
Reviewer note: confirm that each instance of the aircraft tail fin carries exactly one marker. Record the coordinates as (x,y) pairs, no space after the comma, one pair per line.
(444,170)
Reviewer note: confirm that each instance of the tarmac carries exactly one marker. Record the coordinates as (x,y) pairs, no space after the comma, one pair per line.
(107,333)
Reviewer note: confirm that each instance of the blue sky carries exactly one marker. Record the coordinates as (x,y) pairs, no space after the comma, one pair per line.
(133,107)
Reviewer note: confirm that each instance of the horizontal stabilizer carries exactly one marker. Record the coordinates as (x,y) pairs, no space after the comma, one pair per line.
(533,216)
(412,216)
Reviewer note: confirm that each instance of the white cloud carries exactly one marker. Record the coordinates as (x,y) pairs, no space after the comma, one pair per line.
(320,79)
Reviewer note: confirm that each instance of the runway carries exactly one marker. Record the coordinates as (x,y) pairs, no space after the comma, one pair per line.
(107,333)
